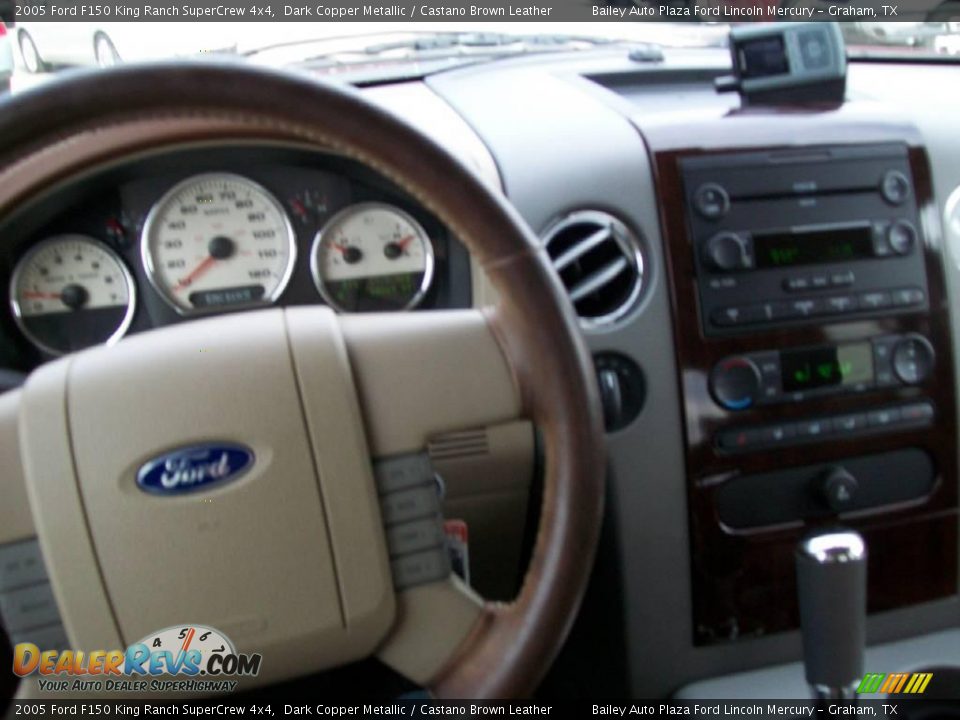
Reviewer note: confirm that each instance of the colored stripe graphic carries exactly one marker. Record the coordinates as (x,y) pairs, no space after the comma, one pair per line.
(894,683)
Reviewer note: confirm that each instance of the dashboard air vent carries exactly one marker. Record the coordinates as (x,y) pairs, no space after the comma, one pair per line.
(599,261)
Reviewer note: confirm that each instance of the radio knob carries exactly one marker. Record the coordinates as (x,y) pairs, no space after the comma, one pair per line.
(728,251)
(895,187)
(902,236)
(913,359)
(735,383)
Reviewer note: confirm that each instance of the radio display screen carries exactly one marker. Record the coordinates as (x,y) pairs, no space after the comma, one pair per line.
(830,366)
(811,247)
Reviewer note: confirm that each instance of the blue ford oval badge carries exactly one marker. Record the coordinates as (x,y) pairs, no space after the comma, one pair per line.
(195,467)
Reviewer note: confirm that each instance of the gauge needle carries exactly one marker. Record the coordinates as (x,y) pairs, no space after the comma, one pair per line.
(33,295)
(403,242)
(196,272)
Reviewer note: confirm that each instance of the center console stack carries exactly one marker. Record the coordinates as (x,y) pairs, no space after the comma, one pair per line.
(815,361)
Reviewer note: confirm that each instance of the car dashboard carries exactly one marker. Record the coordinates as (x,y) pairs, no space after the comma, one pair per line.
(770,291)
(122,252)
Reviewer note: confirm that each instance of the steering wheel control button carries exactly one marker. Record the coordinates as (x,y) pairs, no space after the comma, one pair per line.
(21,564)
(895,187)
(711,201)
(728,251)
(409,504)
(402,472)
(413,523)
(420,568)
(913,359)
(414,536)
(735,383)
(29,607)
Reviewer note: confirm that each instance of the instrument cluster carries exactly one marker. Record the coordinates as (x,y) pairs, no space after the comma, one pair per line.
(165,245)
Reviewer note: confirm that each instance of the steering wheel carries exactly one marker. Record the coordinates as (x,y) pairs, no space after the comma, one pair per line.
(291,560)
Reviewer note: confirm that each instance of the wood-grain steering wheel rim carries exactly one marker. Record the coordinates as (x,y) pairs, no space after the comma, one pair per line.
(73,125)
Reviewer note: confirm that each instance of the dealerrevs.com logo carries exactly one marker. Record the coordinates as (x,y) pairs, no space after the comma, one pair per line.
(181,658)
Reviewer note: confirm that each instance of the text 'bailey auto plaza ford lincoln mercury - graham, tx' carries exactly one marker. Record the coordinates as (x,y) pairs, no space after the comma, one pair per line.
(556,360)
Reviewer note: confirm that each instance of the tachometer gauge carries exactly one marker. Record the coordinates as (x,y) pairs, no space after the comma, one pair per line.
(218,241)
(70,292)
(372,257)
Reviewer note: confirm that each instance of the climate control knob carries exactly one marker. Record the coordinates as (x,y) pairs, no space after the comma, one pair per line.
(913,359)
(735,383)
(728,251)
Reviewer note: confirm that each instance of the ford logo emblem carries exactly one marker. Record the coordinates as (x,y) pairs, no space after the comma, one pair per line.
(193,468)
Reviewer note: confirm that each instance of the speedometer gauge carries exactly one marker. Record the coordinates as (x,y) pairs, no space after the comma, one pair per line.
(70,292)
(218,241)
(372,257)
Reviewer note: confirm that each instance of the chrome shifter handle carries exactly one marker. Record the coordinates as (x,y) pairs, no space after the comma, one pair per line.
(832,593)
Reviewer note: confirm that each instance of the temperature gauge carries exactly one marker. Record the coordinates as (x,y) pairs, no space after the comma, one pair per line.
(70,292)
(372,257)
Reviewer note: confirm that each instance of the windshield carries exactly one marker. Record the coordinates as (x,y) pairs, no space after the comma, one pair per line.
(41,49)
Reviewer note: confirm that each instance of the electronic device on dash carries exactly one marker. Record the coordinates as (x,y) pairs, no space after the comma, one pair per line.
(787,63)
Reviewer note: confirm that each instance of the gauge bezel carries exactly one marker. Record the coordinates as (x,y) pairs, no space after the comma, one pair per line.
(356,208)
(160,287)
(35,249)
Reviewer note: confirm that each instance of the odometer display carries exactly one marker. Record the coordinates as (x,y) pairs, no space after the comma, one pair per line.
(218,241)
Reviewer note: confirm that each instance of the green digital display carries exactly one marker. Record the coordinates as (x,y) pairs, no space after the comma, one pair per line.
(811,247)
(826,367)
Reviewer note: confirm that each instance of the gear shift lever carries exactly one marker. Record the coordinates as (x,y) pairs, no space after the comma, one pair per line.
(832,592)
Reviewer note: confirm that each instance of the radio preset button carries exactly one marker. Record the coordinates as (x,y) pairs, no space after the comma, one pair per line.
(913,359)
(902,237)
(895,187)
(876,300)
(853,422)
(711,201)
(796,284)
(908,296)
(819,282)
(842,279)
(883,418)
(735,383)
(841,304)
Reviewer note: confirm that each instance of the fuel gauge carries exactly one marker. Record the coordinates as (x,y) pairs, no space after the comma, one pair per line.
(70,292)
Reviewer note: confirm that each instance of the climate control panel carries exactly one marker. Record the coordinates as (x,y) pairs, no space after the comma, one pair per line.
(771,377)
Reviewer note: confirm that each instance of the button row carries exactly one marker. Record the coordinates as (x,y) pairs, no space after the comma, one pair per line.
(832,427)
(818,281)
(800,308)
(28,609)
(410,506)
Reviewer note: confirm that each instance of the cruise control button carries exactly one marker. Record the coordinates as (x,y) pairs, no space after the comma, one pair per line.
(21,564)
(883,418)
(874,300)
(409,504)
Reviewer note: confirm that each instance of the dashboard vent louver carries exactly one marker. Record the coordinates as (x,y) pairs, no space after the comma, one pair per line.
(599,261)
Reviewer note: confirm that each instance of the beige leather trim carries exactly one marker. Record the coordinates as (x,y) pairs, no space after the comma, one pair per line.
(433,621)
(58,511)
(15,521)
(426,373)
